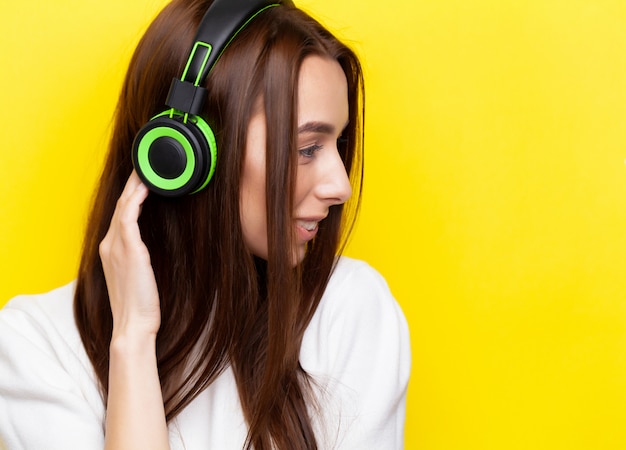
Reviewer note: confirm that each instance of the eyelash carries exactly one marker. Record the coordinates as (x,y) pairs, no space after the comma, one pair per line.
(309,152)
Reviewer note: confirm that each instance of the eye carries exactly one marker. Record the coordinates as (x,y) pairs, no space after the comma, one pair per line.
(309,152)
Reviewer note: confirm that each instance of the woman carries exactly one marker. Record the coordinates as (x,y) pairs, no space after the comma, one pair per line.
(222,319)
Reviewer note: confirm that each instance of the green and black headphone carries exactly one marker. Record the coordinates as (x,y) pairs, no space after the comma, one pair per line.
(175,152)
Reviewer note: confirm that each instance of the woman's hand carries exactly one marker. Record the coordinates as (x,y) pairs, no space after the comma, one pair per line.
(133,292)
(135,414)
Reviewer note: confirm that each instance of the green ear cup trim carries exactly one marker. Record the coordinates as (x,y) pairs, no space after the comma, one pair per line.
(144,162)
(210,137)
(208,134)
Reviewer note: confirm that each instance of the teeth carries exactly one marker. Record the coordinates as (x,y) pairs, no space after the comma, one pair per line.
(309,226)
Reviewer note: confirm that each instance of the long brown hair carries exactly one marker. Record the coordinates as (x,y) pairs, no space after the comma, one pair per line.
(220,305)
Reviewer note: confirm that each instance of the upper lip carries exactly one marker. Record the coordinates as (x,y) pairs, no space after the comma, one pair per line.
(311,219)
(309,223)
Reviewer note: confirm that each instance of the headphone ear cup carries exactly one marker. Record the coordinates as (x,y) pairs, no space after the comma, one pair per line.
(173,157)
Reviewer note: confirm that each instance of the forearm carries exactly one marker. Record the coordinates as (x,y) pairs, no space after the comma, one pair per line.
(135,413)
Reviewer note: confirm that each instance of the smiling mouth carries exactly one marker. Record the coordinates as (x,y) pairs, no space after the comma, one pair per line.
(306,230)
(308,225)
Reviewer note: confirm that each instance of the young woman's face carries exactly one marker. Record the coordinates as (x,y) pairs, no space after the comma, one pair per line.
(321,179)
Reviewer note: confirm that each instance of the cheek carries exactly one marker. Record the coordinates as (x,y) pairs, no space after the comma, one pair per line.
(302,187)
(253,223)
(252,200)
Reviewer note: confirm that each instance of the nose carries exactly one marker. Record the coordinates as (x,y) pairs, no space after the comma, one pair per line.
(334,186)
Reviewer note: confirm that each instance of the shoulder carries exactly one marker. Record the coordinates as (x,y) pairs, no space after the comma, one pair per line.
(358,324)
(54,304)
(349,272)
(48,389)
(357,349)
(40,331)
(44,319)
(359,297)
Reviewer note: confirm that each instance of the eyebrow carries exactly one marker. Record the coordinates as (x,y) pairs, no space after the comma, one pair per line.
(316,127)
(319,127)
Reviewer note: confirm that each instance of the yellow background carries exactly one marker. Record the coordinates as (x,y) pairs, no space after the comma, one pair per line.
(495,197)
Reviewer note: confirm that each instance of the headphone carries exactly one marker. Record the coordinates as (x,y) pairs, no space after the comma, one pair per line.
(175,152)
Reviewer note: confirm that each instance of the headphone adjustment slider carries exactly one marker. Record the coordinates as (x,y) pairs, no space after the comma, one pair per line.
(186,97)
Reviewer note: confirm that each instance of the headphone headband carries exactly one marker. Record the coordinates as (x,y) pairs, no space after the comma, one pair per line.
(220,24)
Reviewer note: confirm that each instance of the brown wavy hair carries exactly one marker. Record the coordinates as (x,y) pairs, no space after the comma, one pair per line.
(220,305)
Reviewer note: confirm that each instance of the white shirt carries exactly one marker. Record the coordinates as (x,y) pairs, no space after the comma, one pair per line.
(356,348)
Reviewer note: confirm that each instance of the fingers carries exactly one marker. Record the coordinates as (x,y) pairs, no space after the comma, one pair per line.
(123,237)
(128,272)
(129,204)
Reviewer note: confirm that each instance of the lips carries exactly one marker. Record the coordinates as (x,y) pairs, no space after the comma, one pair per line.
(306,229)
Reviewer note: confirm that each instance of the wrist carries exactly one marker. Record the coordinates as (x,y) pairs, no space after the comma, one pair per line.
(132,342)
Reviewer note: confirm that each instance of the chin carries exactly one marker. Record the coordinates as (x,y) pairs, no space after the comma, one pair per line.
(298,255)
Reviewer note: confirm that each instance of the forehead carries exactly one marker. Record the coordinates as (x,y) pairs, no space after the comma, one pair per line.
(322,92)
